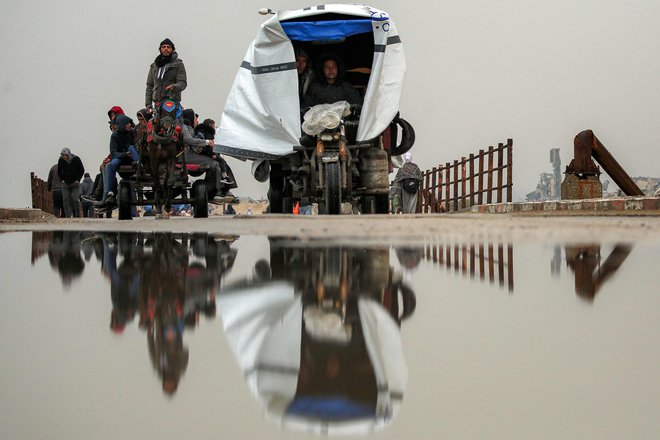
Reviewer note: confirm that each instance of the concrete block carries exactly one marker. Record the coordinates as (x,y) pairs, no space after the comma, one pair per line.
(575,187)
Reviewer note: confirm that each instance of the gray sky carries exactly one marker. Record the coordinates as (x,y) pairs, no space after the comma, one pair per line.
(479,72)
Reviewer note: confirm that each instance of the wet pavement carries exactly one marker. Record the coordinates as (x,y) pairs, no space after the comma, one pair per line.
(141,334)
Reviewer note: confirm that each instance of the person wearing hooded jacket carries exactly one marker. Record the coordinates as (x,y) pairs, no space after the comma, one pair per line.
(167,75)
(122,151)
(114,111)
(194,148)
(206,130)
(70,169)
(87,189)
(405,187)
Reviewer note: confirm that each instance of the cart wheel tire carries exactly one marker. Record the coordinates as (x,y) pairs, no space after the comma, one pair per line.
(124,202)
(201,197)
(407,137)
(332,192)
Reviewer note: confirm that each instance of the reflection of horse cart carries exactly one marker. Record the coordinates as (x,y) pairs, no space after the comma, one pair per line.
(346,161)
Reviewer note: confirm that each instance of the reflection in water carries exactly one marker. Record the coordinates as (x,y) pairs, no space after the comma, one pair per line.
(472,258)
(584,260)
(590,275)
(316,333)
(169,280)
(64,250)
(315,328)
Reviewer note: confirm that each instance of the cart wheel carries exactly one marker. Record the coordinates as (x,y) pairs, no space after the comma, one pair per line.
(332,192)
(124,202)
(201,197)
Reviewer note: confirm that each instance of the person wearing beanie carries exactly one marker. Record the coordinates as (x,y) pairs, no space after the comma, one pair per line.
(166,77)
(70,169)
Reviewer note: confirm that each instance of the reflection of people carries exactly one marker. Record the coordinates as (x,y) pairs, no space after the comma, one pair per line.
(64,255)
(406,186)
(331,87)
(167,75)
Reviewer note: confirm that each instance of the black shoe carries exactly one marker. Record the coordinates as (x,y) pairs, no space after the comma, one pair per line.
(109,200)
(226,181)
(88,198)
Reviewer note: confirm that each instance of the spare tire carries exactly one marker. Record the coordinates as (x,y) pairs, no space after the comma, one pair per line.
(407,137)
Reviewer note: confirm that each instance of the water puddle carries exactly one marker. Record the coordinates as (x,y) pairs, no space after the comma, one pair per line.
(109,335)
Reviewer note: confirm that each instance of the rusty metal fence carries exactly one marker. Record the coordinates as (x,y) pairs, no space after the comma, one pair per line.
(475,180)
(41,197)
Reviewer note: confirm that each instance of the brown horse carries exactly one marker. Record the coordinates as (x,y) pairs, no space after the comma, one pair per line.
(163,145)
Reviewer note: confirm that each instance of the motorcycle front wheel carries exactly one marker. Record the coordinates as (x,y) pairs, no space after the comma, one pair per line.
(332,192)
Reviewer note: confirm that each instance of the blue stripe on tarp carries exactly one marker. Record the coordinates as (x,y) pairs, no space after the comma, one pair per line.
(325,30)
(330,408)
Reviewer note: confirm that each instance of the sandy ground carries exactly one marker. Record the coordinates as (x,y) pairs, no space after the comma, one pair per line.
(405,228)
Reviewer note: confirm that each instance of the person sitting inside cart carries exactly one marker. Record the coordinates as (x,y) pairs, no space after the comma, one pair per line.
(330,86)
(122,151)
(194,156)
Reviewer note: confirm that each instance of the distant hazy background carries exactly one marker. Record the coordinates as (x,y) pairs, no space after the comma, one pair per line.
(479,72)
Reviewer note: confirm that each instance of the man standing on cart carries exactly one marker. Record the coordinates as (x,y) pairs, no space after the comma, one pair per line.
(167,76)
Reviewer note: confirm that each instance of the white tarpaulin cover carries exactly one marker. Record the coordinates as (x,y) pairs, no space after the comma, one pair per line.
(264,328)
(261,118)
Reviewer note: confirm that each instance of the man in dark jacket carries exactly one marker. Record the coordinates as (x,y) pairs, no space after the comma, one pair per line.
(122,151)
(70,170)
(167,75)
(331,87)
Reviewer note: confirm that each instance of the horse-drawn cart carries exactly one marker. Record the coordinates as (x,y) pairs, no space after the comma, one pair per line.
(137,189)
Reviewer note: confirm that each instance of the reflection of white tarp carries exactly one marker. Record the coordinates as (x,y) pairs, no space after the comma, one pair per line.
(264,329)
(262,113)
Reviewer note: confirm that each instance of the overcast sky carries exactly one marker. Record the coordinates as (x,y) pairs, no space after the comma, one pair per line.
(479,72)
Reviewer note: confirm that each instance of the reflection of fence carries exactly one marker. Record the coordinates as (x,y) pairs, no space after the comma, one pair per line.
(464,183)
(463,258)
(41,197)
(41,242)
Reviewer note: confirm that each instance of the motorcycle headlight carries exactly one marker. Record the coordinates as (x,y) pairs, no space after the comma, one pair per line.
(330,120)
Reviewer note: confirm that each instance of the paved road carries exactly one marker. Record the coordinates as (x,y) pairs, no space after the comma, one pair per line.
(420,227)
